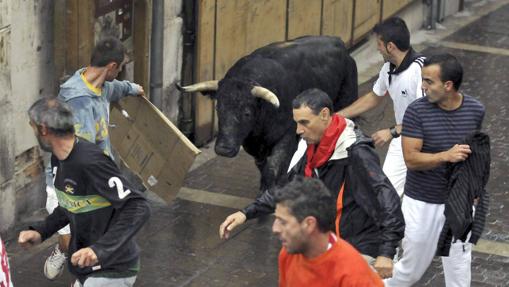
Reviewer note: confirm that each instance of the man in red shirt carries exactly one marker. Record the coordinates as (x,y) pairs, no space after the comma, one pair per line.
(312,255)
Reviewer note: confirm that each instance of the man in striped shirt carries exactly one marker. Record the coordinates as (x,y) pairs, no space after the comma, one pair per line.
(433,128)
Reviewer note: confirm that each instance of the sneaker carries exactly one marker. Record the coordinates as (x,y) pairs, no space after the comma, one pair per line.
(54,265)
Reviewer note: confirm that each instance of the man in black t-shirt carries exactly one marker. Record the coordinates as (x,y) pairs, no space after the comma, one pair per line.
(433,128)
(103,211)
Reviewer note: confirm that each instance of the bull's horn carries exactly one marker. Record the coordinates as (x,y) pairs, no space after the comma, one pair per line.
(200,87)
(265,94)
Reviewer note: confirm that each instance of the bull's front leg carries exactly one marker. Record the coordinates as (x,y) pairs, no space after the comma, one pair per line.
(275,167)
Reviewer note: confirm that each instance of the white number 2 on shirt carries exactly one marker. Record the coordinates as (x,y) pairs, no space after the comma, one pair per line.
(115,181)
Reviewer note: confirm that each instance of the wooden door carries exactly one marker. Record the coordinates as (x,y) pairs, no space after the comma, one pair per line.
(230,29)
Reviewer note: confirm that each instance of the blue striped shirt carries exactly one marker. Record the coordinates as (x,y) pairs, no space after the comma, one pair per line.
(439,130)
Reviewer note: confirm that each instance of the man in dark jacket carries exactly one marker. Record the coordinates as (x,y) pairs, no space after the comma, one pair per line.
(368,208)
(103,211)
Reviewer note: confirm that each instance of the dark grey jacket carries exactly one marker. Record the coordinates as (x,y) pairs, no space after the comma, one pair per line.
(467,181)
(371,218)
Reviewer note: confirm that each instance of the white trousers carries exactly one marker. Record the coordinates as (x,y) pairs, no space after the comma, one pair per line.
(424,222)
(51,204)
(395,167)
(106,282)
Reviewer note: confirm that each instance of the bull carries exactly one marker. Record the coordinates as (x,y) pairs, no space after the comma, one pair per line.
(254,99)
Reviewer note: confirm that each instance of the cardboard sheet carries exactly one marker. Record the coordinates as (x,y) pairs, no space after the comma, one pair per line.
(151,146)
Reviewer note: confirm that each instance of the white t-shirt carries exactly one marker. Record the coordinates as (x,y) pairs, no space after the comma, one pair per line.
(404,87)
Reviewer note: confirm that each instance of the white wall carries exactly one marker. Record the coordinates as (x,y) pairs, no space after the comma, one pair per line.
(31,62)
(172,58)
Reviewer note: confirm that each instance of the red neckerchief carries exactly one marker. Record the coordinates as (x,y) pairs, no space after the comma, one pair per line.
(319,156)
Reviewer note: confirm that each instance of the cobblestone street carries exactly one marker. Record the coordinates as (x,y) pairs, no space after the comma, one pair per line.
(180,244)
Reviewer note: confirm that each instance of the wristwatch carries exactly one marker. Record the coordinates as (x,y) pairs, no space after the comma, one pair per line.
(394,132)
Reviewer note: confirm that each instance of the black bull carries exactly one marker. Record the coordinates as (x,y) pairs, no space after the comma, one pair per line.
(254,99)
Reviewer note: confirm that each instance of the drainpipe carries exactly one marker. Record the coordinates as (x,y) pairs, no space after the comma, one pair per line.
(156,53)
(186,123)
(441,11)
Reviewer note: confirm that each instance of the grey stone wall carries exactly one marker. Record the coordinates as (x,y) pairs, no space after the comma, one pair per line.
(26,73)
(6,130)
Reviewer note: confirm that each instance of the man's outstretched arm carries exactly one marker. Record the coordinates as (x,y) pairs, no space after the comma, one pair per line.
(263,205)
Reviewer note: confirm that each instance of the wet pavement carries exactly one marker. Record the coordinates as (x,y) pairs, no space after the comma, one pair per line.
(180,245)
(491,30)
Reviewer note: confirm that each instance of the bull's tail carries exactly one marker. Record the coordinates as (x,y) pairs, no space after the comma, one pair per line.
(348,91)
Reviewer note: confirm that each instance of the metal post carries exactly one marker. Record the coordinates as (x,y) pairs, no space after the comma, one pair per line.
(441,11)
(434,14)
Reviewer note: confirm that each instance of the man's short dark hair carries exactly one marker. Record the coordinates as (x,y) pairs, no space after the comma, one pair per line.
(308,197)
(450,68)
(394,30)
(106,51)
(315,99)
(55,115)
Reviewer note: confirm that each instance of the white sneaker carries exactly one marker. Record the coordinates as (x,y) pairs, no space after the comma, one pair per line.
(54,265)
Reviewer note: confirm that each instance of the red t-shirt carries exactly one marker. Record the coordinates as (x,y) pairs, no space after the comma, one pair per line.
(341,265)
(5,277)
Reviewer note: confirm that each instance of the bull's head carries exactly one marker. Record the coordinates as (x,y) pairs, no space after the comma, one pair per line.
(237,110)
